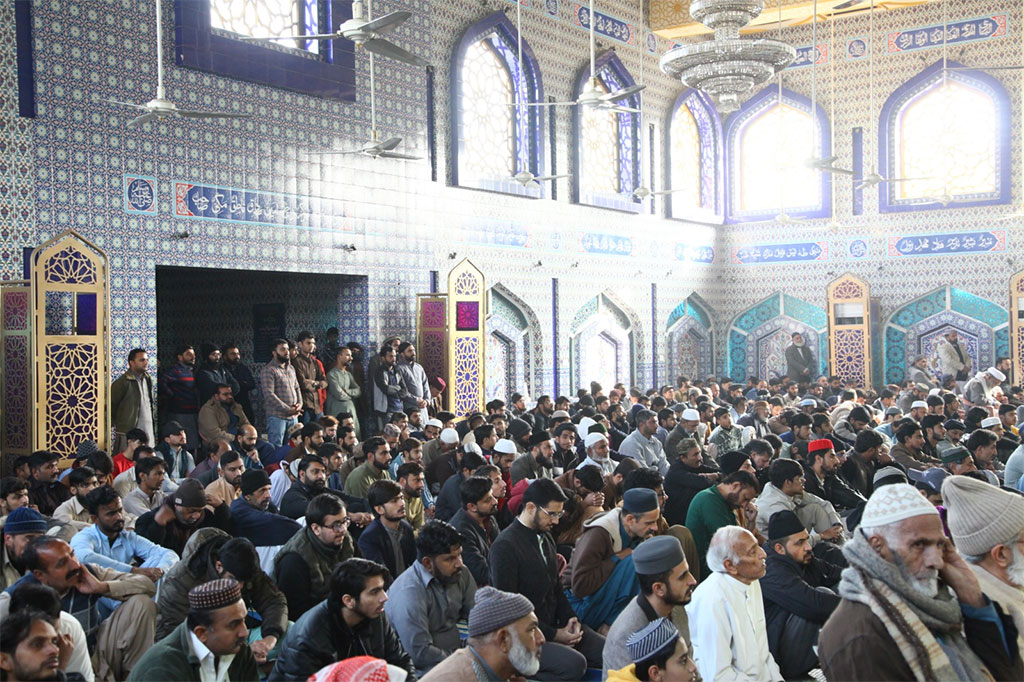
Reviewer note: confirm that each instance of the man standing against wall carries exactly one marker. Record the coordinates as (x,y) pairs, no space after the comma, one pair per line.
(178,388)
(234,366)
(282,400)
(131,399)
(415,379)
(799,361)
(311,377)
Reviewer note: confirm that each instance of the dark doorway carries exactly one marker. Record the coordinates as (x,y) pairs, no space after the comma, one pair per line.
(248,308)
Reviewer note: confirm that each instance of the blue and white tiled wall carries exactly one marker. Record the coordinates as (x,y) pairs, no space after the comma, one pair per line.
(67,168)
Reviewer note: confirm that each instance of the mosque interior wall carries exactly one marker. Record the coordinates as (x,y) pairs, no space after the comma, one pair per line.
(67,168)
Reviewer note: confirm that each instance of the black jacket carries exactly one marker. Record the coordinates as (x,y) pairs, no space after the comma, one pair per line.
(321,637)
(375,545)
(519,566)
(476,544)
(789,588)
(293,504)
(681,484)
(207,378)
(174,535)
(835,490)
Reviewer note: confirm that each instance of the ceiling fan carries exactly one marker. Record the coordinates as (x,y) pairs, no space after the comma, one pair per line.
(825,164)
(525,177)
(375,149)
(874,178)
(161,107)
(365,33)
(528,179)
(592,95)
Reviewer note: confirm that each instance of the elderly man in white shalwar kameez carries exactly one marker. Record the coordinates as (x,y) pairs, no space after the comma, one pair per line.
(727,624)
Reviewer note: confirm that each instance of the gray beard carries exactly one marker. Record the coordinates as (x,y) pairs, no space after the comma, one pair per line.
(525,662)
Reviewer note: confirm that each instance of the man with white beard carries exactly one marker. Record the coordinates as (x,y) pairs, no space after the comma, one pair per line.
(912,608)
(987,526)
(504,641)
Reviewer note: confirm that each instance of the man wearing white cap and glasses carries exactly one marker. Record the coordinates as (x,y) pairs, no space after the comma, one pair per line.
(980,391)
(987,526)
(912,608)
(688,426)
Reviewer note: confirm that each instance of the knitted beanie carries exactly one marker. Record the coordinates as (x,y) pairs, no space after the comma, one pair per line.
(980,515)
(494,609)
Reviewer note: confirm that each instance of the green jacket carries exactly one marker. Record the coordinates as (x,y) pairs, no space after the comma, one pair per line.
(124,402)
(358,482)
(708,512)
(172,658)
(260,593)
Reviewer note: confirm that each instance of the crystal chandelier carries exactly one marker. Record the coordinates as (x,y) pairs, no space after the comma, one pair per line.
(727,68)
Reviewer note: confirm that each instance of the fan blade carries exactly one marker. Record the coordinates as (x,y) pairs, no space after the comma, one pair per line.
(397,155)
(1012,216)
(387,23)
(835,169)
(186,113)
(311,36)
(620,95)
(984,68)
(662,192)
(139,120)
(847,4)
(621,110)
(386,49)
(905,179)
(548,104)
(552,177)
(388,144)
(127,104)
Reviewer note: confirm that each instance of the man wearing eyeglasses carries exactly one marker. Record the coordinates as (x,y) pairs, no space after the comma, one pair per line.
(302,569)
(523,560)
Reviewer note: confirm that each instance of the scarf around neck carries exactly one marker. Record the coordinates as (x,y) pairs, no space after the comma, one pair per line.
(914,621)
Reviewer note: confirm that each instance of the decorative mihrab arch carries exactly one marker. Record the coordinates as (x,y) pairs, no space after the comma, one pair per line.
(758,336)
(606,343)
(916,327)
(513,350)
(690,340)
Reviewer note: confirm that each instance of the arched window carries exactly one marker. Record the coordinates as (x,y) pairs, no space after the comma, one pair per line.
(694,146)
(495,134)
(768,145)
(607,142)
(922,135)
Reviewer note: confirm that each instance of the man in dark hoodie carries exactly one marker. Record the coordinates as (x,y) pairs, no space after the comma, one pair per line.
(185,511)
(211,373)
(210,555)
(798,595)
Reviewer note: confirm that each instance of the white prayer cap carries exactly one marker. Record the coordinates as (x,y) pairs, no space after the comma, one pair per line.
(472,447)
(996,374)
(505,446)
(934,391)
(449,436)
(893,503)
(594,438)
(918,403)
(989,421)
(584,426)
(691,415)
(435,422)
